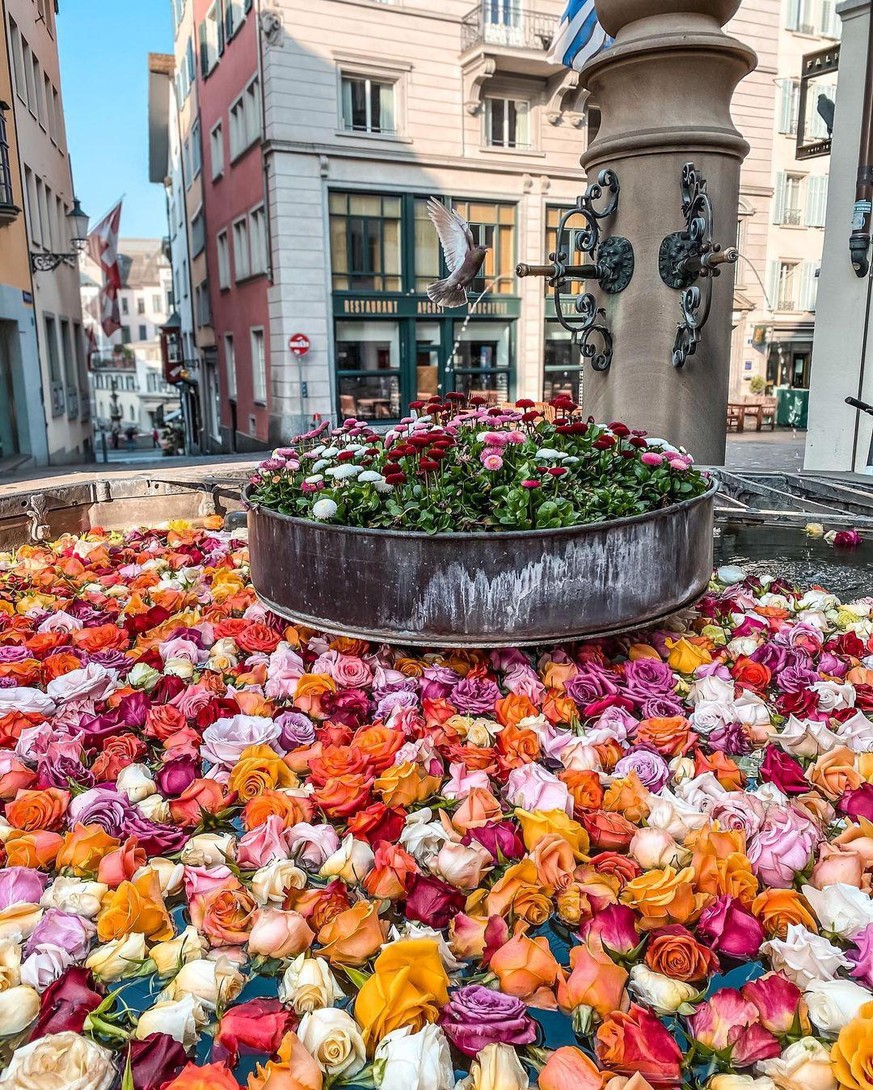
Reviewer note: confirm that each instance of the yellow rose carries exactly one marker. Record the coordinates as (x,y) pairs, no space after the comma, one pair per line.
(852,1052)
(135,906)
(540,823)
(408,987)
(685,657)
(259,769)
(405,784)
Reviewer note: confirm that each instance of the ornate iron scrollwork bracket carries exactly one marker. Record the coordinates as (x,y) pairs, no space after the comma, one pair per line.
(611,265)
(689,261)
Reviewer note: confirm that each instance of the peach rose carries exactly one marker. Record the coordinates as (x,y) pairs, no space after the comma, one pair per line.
(477,809)
(278,934)
(224,914)
(595,981)
(664,896)
(526,968)
(834,773)
(84,847)
(405,784)
(32,849)
(836,864)
(353,936)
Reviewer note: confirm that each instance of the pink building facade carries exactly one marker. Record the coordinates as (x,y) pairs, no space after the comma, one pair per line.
(234,218)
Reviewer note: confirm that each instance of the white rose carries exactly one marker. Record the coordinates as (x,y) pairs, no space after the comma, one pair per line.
(414,1061)
(93,681)
(856,733)
(661,993)
(208,849)
(421,837)
(352,862)
(708,715)
(60,1061)
(681,769)
(18,921)
(187,946)
(834,1003)
(742,646)
(751,710)
(497,1067)
(155,808)
(579,756)
(44,966)
(143,676)
(834,696)
(171,876)
(118,958)
(770,795)
(308,985)
(10,963)
(701,792)
(182,668)
(656,848)
(804,1065)
(712,689)
(136,782)
(804,957)
(462,866)
(673,815)
(843,909)
(19,1007)
(740,1082)
(180,1019)
(333,1038)
(270,884)
(213,983)
(75,895)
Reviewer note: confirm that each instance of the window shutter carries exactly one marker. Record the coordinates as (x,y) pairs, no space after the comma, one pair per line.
(220,26)
(772,285)
(811,286)
(204,51)
(785,105)
(793,19)
(817,203)
(228,20)
(779,198)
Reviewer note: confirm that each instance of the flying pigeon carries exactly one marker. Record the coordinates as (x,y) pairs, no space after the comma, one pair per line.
(463,257)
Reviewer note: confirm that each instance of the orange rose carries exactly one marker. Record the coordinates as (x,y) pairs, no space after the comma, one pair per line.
(83,848)
(722,767)
(477,809)
(57,665)
(664,896)
(32,849)
(554,860)
(258,637)
(405,784)
(559,709)
(17,778)
(135,907)
(344,795)
(259,769)
(353,936)
(673,951)
(104,637)
(38,809)
(291,809)
(311,688)
(526,968)
(518,746)
(834,773)
(568,1067)
(211,1077)
(671,736)
(378,744)
(391,869)
(557,674)
(627,796)
(224,914)
(409,667)
(610,832)
(163,720)
(296,1069)
(595,981)
(199,797)
(510,710)
(520,891)
(584,787)
(776,909)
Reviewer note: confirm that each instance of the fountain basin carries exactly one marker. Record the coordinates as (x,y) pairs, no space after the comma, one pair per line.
(498,589)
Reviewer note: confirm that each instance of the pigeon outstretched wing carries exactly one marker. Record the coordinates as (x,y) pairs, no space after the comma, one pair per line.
(454,233)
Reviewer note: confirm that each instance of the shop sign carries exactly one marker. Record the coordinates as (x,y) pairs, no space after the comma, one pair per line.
(411,306)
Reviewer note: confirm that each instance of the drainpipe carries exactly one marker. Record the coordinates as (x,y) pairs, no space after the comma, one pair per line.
(859,239)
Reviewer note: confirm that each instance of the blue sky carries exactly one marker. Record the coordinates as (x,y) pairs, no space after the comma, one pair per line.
(104,47)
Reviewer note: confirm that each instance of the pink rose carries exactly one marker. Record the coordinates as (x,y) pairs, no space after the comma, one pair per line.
(462,780)
(201,880)
(522,680)
(836,864)
(284,670)
(777,1001)
(729,1021)
(310,845)
(263,844)
(278,934)
(351,672)
(533,787)
(729,929)
(782,847)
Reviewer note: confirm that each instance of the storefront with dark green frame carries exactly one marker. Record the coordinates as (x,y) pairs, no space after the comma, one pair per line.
(392,344)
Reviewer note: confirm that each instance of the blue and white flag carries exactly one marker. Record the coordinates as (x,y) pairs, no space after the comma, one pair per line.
(580,37)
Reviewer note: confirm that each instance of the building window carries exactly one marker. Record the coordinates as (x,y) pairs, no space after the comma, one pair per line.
(143,333)
(259,367)
(202,304)
(562,364)
(245,120)
(427,248)
(156,304)
(368,369)
(54,366)
(230,365)
(574,225)
(481,363)
(223,249)
(6,201)
(125,334)
(258,241)
(507,123)
(830,21)
(816,199)
(211,39)
(788,200)
(368,105)
(125,305)
(216,151)
(140,305)
(789,105)
(241,260)
(493,225)
(234,16)
(198,233)
(365,242)
(17,62)
(793,285)
(196,150)
(801,17)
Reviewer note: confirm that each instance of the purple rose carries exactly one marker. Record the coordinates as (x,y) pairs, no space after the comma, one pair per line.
(176,776)
(795,679)
(297,730)
(832,664)
(21,885)
(437,682)
(861,956)
(132,710)
(396,699)
(661,707)
(730,738)
(114,660)
(64,929)
(770,655)
(14,653)
(59,771)
(475,1017)
(650,767)
(475,696)
(590,684)
(100,806)
(646,678)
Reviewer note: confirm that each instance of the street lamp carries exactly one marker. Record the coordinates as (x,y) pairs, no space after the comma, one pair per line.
(77,221)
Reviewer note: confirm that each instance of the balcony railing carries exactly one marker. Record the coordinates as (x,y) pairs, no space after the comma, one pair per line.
(792,217)
(495,22)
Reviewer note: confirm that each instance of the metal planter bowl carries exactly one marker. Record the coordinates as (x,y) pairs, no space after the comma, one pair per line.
(488,589)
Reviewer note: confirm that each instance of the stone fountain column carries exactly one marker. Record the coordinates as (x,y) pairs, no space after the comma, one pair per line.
(664,90)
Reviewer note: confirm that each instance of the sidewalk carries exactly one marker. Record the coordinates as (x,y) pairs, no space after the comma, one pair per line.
(778,451)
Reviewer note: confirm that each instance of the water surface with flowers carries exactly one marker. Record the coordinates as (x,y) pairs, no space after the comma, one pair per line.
(458,465)
(238,853)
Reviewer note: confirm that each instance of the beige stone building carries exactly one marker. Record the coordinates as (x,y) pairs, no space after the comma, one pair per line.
(31,40)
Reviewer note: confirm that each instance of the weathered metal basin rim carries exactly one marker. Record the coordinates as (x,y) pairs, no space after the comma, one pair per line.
(498,589)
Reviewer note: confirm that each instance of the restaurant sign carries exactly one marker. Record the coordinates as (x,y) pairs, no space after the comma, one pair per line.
(416,306)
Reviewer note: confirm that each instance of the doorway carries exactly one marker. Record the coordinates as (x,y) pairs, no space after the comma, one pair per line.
(9,357)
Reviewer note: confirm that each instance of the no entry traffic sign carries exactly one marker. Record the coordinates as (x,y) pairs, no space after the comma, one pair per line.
(299,344)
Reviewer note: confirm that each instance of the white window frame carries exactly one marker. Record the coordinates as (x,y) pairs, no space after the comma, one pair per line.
(259,257)
(196,148)
(212,21)
(259,365)
(522,110)
(241,243)
(385,80)
(216,143)
(230,365)
(222,247)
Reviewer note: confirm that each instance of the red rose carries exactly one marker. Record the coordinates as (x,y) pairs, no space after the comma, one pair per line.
(751,675)
(609,831)
(66,1003)
(117,753)
(258,637)
(155,1060)
(801,704)
(256,1026)
(781,769)
(376,823)
(432,901)
(637,1041)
